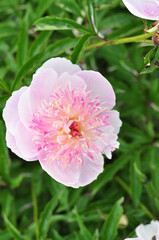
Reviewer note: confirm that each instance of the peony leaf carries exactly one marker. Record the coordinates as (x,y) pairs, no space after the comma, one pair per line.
(55,23)
(14,231)
(79,48)
(109,230)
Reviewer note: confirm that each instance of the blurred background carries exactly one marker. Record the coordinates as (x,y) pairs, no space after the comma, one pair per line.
(32,204)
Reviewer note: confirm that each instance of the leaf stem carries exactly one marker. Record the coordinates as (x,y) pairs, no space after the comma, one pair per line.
(139,38)
(35,208)
(126,188)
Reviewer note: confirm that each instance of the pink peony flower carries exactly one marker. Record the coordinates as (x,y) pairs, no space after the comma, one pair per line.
(147,232)
(65,120)
(147,9)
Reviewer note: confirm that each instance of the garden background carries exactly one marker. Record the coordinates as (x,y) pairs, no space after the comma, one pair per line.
(32,204)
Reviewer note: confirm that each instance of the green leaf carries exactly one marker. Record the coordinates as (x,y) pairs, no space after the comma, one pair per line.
(92,15)
(24,69)
(4,86)
(154,167)
(79,48)
(42,7)
(45,216)
(86,235)
(55,23)
(109,173)
(15,232)
(22,43)
(40,43)
(69,5)
(4,159)
(53,50)
(153,62)
(135,179)
(109,230)
(7,29)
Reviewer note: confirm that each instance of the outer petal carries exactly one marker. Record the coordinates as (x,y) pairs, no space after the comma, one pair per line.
(10,112)
(24,109)
(99,86)
(134,239)
(12,145)
(44,81)
(74,81)
(61,65)
(148,231)
(115,121)
(90,170)
(75,176)
(68,176)
(147,9)
(24,142)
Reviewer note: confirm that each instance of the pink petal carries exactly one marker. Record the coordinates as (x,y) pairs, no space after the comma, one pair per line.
(24,109)
(68,176)
(75,176)
(43,83)
(115,121)
(74,81)
(61,65)
(24,141)
(12,145)
(90,170)
(10,112)
(147,9)
(99,86)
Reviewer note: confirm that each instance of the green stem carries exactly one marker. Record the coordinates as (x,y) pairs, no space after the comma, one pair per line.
(35,208)
(126,188)
(139,38)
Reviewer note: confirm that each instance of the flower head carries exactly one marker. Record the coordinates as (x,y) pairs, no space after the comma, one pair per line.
(147,232)
(65,120)
(147,9)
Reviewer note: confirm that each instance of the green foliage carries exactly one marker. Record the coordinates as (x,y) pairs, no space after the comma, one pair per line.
(93,34)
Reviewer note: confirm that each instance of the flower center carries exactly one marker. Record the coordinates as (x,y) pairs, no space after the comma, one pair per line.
(75,132)
(67,125)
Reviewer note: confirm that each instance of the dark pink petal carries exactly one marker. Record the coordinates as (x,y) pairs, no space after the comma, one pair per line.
(147,9)
(99,86)
(61,65)
(10,112)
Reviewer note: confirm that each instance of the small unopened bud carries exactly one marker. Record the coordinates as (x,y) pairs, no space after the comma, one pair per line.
(155,39)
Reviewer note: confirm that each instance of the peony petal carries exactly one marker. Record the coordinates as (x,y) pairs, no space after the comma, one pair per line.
(44,81)
(61,65)
(147,9)
(24,111)
(75,176)
(133,239)
(24,141)
(74,81)
(68,176)
(12,145)
(148,231)
(90,170)
(115,121)
(10,112)
(99,86)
